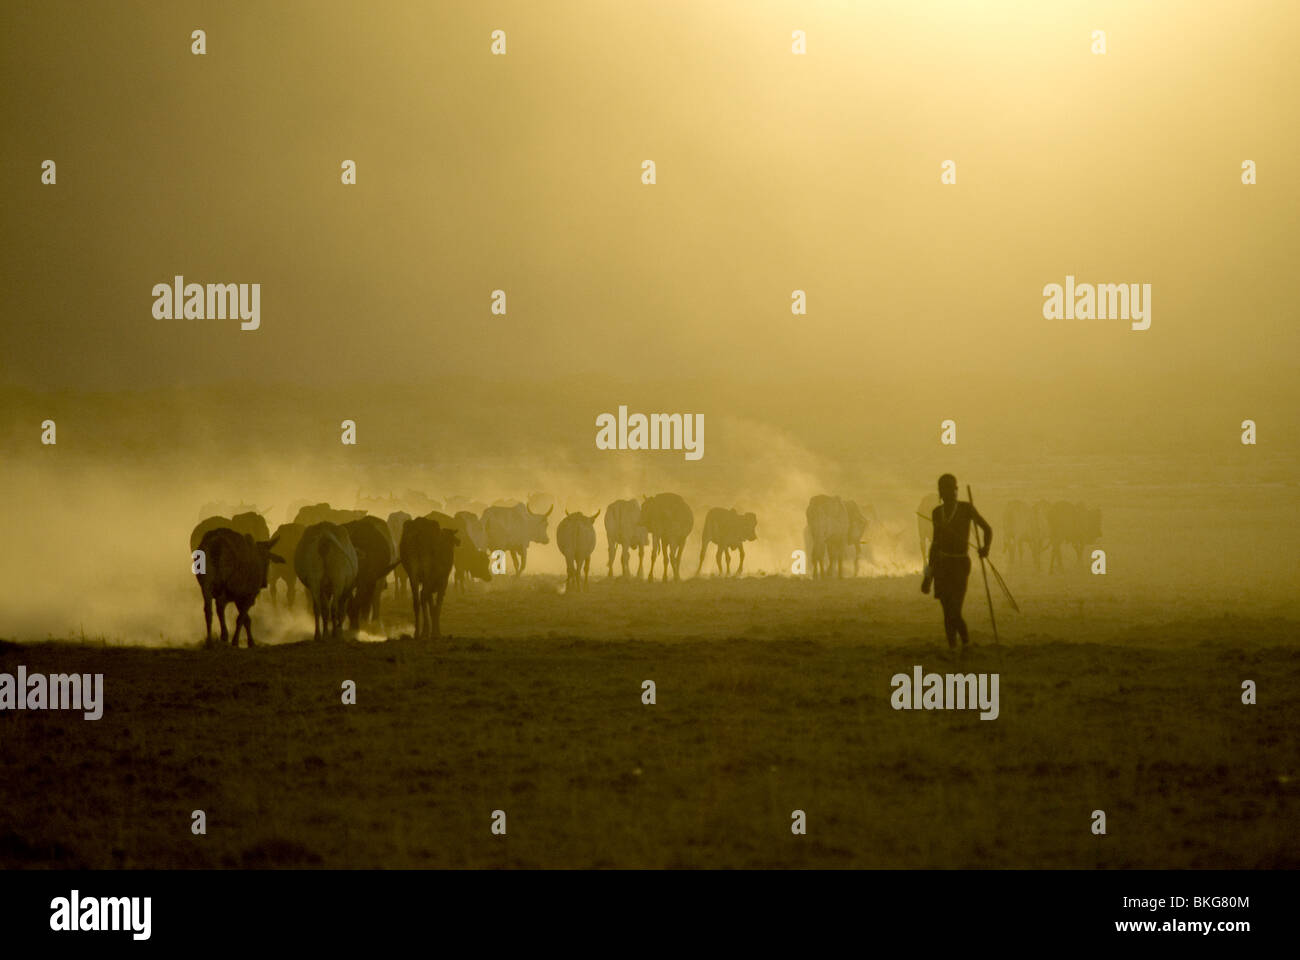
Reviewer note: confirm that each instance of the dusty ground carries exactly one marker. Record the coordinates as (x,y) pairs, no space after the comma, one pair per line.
(775,698)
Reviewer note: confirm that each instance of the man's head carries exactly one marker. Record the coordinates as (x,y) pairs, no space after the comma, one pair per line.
(948,488)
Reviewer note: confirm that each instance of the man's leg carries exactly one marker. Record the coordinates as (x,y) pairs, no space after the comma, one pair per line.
(960,598)
(951,615)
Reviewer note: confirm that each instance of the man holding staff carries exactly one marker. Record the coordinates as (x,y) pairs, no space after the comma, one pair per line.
(949,566)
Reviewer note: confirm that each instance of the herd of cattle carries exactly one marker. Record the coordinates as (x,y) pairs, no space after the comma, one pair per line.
(343,557)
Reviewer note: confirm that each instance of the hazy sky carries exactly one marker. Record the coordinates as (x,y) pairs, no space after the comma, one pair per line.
(775,172)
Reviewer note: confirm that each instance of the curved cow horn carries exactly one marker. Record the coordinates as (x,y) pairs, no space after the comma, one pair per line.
(594,516)
(548,512)
(567,513)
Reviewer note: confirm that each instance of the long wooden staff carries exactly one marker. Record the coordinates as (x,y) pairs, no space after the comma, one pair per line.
(997,577)
(983,570)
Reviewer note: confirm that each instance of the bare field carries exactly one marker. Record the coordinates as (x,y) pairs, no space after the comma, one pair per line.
(774,698)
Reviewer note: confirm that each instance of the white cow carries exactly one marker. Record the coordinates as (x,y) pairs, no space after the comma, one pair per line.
(326,563)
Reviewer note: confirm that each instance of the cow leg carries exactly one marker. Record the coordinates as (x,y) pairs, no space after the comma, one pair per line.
(207,616)
(677,560)
(437,612)
(717,559)
(741,565)
(586,572)
(415,607)
(221,619)
(246,622)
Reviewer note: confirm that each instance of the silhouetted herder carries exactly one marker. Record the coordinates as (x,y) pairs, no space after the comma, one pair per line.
(949,565)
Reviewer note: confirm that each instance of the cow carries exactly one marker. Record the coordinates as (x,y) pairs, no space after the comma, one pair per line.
(623,529)
(376,558)
(288,535)
(512,529)
(576,538)
(324,513)
(396,521)
(924,526)
(470,558)
(1071,523)
(856,530)
(427,553)
(235,567)
(669,521)
(249,523)
(326,563)
(828,534)
(419,502)
(729,529)
(205,526)
(1025,526)
(459,503)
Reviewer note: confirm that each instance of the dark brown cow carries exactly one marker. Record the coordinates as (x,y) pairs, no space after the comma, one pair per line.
(235,570)
(376,558)
(427,552)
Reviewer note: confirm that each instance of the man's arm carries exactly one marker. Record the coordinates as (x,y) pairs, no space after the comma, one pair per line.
(988,531)
(928,574)
(934,534)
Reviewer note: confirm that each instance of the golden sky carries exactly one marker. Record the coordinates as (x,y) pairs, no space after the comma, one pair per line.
(775,172)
